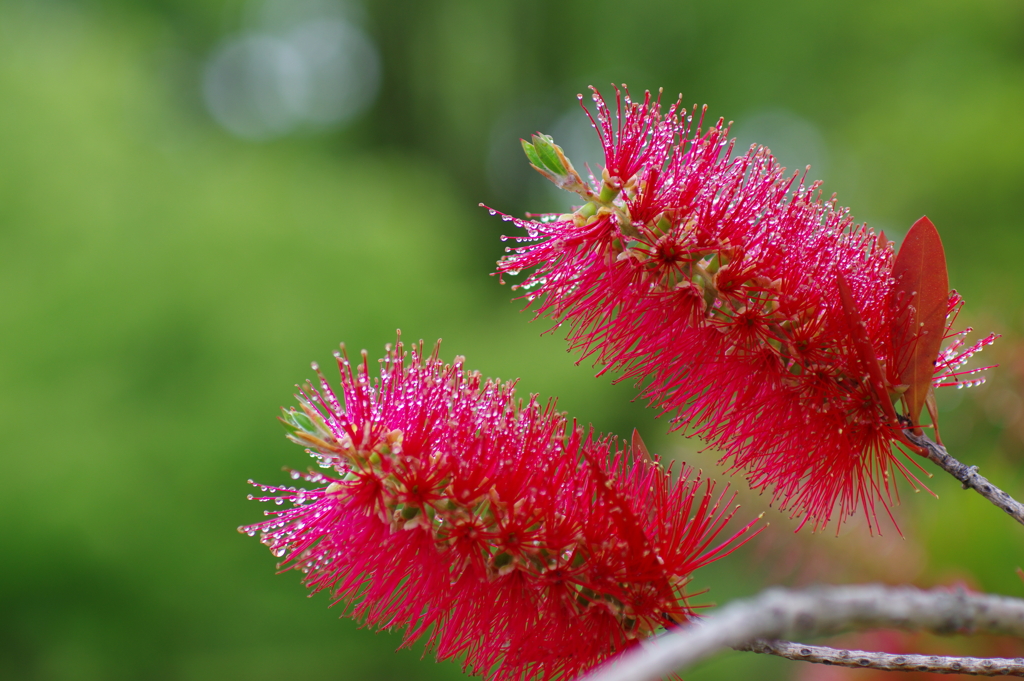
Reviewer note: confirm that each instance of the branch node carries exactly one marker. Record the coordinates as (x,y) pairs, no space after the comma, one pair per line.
(973,471)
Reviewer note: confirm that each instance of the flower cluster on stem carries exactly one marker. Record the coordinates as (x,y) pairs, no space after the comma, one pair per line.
(716,282)
(529,547)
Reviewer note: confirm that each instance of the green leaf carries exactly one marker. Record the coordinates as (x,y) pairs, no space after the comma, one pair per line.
(531,155)
(545,148)
(304,422)
(295,420)
(287,419)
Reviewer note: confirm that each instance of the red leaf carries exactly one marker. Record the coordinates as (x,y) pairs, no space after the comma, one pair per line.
(640,452)
(919,305)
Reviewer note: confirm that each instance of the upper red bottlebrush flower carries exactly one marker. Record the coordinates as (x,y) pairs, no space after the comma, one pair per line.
(457,512)
(716,282)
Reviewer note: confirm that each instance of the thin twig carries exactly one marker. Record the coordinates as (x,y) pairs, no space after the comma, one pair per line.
(784,613)
(968,476)
(891,662)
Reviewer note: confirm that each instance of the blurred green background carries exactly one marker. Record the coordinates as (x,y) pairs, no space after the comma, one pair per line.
(182,233)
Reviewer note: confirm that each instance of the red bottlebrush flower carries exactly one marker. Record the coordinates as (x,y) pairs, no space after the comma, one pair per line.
(715,282)
(529,548)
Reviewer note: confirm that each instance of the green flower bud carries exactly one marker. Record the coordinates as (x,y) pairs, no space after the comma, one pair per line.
(548,159)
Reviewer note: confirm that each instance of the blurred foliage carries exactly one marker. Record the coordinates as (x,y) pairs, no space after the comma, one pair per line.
(165,285)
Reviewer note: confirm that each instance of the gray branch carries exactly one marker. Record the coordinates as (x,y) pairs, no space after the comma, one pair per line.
(861,659)
(785,613)
(968,476)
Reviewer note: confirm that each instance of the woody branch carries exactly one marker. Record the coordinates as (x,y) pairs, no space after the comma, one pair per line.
(891,662)
(784,613)
(968,476)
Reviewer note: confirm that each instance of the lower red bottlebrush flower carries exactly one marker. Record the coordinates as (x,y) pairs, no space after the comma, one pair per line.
(715,282)
(529,548)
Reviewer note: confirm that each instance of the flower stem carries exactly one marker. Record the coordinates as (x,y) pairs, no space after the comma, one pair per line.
(968,476)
